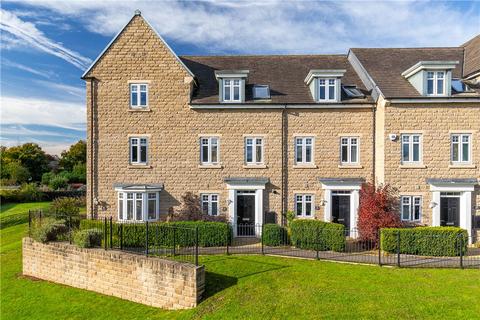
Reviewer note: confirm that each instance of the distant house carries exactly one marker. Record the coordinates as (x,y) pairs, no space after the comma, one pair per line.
(255,136)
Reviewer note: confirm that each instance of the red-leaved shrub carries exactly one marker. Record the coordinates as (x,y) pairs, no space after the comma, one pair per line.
(378,209)
(191,210)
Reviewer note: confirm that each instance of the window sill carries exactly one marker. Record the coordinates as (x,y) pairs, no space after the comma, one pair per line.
(305,166)
(210,166)
(254,166)
(146,109)
(350,166)
(462,166)
(139,166)
(412,166)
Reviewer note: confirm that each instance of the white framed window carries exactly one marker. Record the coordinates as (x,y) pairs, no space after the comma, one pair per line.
(209,203)
(253,150)
(304,150)
(304,205)
(461,148)
(411,208)
(138,150)
(349,150)
(138,206)
(327,89)
(138,95)
(209,150)
(411,148)
(435,83)
(231,90)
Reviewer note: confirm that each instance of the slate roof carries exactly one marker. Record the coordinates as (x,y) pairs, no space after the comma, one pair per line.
(472,56)
(285,74)
(385,66)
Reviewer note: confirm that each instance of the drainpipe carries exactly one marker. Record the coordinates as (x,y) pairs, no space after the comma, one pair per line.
(374,129)
(92,147)
(284,164)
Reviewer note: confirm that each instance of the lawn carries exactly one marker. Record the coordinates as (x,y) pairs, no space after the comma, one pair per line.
(245,287)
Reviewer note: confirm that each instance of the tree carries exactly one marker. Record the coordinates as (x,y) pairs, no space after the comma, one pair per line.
(378,209)
(191,210)
(17,173)
(30,156)
(76,154)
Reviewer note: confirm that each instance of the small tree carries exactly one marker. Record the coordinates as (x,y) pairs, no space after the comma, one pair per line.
(378,209)
(191,210)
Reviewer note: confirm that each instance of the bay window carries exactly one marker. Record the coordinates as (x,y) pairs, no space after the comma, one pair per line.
(138,206)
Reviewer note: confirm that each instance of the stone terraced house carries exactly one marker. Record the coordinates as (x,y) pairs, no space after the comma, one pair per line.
(255,136)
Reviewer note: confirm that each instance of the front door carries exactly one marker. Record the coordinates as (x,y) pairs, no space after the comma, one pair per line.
(449,211)
(341,209)
(246,214)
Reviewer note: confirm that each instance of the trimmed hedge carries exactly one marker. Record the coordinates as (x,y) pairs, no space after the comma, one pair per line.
(49,229)
(425,241)
(88,238)
(317,235)
(181,233)
(274,235)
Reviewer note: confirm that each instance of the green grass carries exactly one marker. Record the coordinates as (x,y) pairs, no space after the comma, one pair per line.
(241,287)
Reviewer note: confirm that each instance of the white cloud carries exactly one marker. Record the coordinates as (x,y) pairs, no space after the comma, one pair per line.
(38,72)
(19,110)
(27,34)
(284,27)
(63,88)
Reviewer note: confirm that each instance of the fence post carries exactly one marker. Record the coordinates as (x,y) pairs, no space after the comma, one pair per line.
(379,248)
(105,232)
(174,240)
(461,250)
(70,229)
(398,249)
(121,236)
(261,236)
(40,214)
(29,223)
(317,244)
(146,238)
(111,233)
(227,235)
(196,245)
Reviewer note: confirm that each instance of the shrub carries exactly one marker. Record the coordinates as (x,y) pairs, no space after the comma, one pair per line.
(378,209)
(425,241)
(191,211)
(88,238)
(29,192)
(58,182)
(317,235)
(16,172)
(47,177)
(48,229)
(274,235)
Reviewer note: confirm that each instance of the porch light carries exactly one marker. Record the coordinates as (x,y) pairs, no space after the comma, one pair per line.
(433,204)
(323,202)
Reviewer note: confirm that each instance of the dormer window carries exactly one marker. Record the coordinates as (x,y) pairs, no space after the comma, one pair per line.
(231,85)
(326,89)
(435,83)
(231,90)
(325,85)
(261,92)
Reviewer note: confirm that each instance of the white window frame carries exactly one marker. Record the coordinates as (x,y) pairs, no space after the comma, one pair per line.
(460,144)
(139,145)
(209,150)
(231,89)
(304,150)
(435,79)
(327,84)
(349,146)
(138,87)
(210,198)
(411,143)
(254,146)
(142,196)
(412,203)
(303,200)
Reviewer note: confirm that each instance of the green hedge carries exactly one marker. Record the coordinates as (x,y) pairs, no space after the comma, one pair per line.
(88,238)
(317,235)
(182,233)
(274,235)
(425,241)
(48,229)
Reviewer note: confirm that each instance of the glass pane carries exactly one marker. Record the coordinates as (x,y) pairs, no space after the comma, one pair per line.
(440,86)
(134,99)
(143,98)
(152,209)
(308,209)
(120,209)
(353,153)
(139,206)
(134,155)
(308,153)
(249,153)
(258,154)
(205,153)
(205,207)
(143,154)
(226,93)
(455,152)
(130,209)
(417,213)
(299,153)
(236,93)
(416,152)
(406,152)
(331,92)
(214,208)
(299,209)
(465,152)
(344,153)
(405,212)
(214,155)
(322,93)
(430,86)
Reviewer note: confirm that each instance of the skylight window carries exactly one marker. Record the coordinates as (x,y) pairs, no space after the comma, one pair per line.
(458,86)
(352,92)
(261,92)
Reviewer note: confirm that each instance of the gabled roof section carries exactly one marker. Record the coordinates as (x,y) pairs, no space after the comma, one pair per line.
(137,14)
(471,65)
(386,65)
(284,74)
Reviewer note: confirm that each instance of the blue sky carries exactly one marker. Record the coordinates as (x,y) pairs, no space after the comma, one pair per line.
(46,44)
